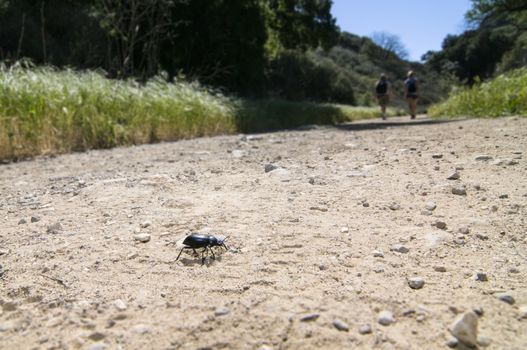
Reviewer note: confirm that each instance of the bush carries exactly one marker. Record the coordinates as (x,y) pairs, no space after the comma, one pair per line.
(505,95)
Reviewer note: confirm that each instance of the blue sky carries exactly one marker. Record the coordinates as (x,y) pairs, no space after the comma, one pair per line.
(420,24)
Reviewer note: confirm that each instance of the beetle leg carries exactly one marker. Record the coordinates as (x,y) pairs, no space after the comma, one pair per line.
(195,252)
(181,251)
(212,251)
(203,257)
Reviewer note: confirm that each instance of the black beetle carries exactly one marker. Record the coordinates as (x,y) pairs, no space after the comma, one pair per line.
(198,240)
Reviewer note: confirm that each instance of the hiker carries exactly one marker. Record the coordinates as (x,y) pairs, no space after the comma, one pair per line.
(382,89)
(411,88)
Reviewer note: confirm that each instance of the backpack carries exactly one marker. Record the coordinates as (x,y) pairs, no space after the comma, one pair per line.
(381,87)
(411,84)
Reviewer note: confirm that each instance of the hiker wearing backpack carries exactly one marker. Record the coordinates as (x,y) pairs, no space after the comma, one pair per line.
(382,89)
(411,89)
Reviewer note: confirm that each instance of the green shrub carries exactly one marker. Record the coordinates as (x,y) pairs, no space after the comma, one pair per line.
(505,95)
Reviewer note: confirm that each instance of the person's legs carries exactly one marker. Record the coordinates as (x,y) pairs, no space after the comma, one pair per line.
(412,105)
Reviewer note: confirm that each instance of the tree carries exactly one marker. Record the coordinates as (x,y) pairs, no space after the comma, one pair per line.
(390,44)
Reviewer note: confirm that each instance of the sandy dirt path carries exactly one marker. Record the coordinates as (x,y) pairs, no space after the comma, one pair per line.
(319,247)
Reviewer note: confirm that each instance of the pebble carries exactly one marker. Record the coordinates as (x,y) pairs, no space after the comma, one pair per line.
(96,336)
(523,312)
(309,317)
(55,228)
(142,237)
(340,325)
(506,298)
(439,268)
(465,328)
(146,224)
(269,167)
(464,230)
(513,270)
(378,254)
(440,225)
(119,305)
(416,282)
(365,329)
(481,276)
(385,318)
(35,218)
(431,206)
(221,311)
(453,176)
(437,156)
(22,221)
(140,329)
(452,342)
(395,206)
(426,212)
(344,230)
(482,236)
(460,191)
(484,342)
(97,346)
(483,157)
(399,248)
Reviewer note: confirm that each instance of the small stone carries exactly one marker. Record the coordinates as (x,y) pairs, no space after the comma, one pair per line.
(465,328)
(399,248)
(484,341)
(221,311)
(96,336)
(146,224)
(416,282)
(452,342)
(322,267)
(340,325)
(365,329)
(478,310)
(365,204)
(378,254)
(385,318)
(431,206)
(464,230)
(440,225)
(453,176)
(97,346)
(55,228)
(344,230)
(460,191)
(513,270)
(481,276)
(269,167)
(426,212)
(503,196)
(482,157)
(142,237)
(395,206)
(437,156)
(140,329)
(22,221)
(35,218)
(506,298)
(119,305)
(9,306)
(482,236)
(523,312)
(439,268)
(309,317)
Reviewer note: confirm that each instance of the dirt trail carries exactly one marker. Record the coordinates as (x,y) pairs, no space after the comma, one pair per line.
(326,240)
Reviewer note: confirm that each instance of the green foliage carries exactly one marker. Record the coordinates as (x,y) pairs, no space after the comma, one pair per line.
(495,44)
(46,111)
(502,96)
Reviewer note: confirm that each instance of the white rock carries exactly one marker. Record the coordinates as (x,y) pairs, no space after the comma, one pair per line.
(146,224)
(365,329)
(340,325)
(119,305)
(142,237)
(221,311)
(416,282)
(385,318)
(465,329)
(399,248)
(430,206)
(453,176)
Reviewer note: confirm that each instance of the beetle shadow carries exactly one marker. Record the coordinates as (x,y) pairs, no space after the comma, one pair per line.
(196,260)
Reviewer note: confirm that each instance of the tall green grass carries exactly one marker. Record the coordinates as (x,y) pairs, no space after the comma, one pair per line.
(46,111)
(505,95)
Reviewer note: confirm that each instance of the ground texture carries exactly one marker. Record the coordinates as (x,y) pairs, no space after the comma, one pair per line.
(326,228)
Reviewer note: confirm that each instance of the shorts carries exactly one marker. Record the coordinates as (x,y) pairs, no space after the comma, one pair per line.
(413,97)
(383,99)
